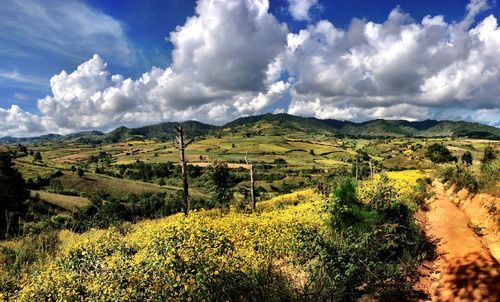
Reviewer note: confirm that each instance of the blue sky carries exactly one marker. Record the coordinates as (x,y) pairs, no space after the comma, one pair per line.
(40,38)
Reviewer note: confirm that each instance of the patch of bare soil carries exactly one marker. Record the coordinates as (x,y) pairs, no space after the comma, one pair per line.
(465,269)
(483,211)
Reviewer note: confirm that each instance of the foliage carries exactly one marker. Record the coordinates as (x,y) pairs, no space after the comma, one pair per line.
(461,177)
(13,194)
(369,239)
(279,161)
(237,257)
(489,175)
(107,210)
(489,155)
(37,156)
(221,183)
(439,154)
(467,158)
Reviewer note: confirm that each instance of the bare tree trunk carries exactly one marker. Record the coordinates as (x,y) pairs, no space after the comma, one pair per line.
(252,185)
(357,167)
(371,170)
(252,188)
(7,223)
(181,145)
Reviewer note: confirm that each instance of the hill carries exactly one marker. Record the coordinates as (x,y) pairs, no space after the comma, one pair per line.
(374,128)
(281,124)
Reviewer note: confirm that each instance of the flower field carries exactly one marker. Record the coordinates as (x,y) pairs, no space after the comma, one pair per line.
(180,259)
(403,182)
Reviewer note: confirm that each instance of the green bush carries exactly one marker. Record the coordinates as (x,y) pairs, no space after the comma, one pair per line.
(461,177)
(439,154)
(373,247)
(420,194)
(490,174)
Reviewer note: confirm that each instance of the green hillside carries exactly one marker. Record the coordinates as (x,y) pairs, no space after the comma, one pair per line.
(281,124)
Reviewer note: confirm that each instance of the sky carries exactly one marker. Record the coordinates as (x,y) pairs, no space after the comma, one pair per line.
(76,65)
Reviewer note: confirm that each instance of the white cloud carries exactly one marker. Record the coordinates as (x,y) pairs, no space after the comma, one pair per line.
(372,70)
(14,76)
(15,121)
(207,78)
(300,9)
(20,96)
(474,7)
(262,100)
(231,57)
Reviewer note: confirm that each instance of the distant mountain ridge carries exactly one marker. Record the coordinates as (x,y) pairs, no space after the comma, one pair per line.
(283,122)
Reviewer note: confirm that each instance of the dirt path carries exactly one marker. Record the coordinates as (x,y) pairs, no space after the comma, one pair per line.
(465,269)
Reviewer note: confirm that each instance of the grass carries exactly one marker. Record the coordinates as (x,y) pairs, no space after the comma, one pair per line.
(118,188)
(30,170)
(70,203)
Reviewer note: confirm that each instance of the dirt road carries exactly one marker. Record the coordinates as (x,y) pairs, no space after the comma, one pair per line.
(465,269)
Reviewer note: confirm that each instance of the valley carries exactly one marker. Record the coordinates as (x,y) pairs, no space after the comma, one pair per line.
(120,202)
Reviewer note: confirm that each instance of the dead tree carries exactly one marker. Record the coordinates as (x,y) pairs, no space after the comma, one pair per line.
(356,168)
(371,169)
(252,184)
(181,146)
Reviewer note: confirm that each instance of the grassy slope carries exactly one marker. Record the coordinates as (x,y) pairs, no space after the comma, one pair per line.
(70,203)
(119,188)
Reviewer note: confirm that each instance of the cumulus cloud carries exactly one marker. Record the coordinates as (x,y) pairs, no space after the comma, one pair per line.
(395,65)
(234,58)
(300,9)
(230,54)
(262,100)
(15,120)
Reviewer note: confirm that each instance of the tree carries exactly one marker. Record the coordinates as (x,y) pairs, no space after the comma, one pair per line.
(13,194)
(181,145)
(220,185)
(80,172)
(22,148)
(439,154)
(73,169)
(252,184)
(467,158)
(489,155)
(312,152)
(37,156)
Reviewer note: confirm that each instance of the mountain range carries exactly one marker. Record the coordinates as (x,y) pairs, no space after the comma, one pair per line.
(280,123)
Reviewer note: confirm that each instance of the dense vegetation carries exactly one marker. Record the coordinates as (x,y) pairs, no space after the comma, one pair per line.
(13,195)
(486,179)
(102,221)
(295,247)
(439,154)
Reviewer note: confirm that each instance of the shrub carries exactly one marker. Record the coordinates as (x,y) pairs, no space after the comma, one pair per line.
(489,155)
(467,158)
(490,174)
(439,154)
(279,161)
(368,242)
(461,177)
(420,194)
